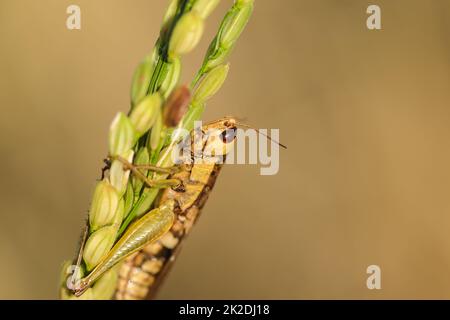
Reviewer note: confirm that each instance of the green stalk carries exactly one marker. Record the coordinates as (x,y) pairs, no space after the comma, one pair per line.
(119,199)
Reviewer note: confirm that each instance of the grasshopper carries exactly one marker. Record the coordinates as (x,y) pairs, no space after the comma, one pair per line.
(150,244)
(180,202)
(142,273)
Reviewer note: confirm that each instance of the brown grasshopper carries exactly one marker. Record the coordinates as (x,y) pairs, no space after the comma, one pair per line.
(178,206)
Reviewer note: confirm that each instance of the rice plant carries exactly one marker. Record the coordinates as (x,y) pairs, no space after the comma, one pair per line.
(145,136)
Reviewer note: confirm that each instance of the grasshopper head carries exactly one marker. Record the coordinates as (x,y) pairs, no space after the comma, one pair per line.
(219,137)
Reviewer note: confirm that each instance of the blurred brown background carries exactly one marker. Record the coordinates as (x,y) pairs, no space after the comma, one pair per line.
(366,178)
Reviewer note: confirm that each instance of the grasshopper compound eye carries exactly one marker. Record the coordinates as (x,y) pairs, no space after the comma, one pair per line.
(228,135)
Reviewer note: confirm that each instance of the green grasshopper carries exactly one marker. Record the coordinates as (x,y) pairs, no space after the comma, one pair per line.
(185,187)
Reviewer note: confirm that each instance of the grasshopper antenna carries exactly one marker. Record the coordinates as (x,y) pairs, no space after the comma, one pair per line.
(259,132)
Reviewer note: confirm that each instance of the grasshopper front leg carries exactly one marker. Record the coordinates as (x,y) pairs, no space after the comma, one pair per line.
(162,183)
